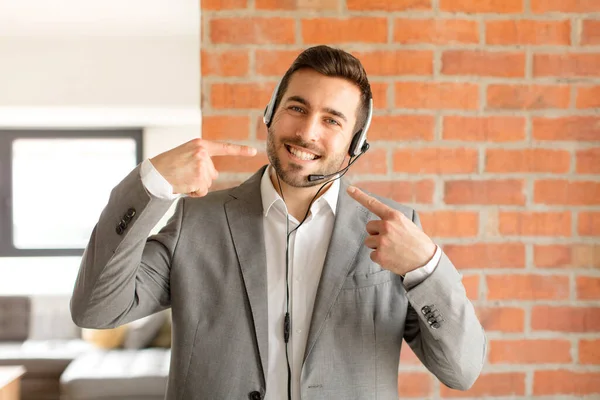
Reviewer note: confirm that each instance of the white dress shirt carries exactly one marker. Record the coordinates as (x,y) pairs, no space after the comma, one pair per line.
(307,250)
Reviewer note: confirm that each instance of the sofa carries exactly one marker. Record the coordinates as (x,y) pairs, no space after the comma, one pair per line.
(64,362)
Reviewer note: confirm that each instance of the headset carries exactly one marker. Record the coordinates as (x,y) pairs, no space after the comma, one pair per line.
(358,147)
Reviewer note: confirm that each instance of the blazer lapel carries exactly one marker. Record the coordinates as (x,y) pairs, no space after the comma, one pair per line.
(346,239)
(245,218)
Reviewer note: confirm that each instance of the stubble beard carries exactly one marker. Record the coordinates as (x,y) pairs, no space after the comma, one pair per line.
(292,176)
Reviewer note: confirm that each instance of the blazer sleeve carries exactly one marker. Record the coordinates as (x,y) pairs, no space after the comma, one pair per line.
(442,328)
(124,275)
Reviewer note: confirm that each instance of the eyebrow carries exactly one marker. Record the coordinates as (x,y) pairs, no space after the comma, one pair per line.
(305,102)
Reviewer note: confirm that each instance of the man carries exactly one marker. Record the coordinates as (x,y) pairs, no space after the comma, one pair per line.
(286,286)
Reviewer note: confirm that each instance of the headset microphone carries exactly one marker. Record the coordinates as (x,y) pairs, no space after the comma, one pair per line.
(313,178)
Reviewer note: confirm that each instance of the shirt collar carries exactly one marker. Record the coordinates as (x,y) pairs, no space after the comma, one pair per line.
(270,197)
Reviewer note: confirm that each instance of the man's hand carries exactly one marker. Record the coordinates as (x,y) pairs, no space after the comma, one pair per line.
(189,167)
(399,245)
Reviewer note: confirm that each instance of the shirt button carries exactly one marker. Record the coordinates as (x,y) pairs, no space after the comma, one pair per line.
(299,331)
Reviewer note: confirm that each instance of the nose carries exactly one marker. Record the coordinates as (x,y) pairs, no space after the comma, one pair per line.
(308,129)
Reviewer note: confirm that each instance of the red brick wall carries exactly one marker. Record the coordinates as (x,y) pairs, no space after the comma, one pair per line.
(487,123)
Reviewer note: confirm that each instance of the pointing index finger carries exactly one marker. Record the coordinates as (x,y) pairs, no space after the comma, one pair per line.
(228,149)
(371,203)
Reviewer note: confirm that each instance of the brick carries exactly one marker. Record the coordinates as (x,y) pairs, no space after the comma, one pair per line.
(484,129)
(402,191)
(224,63)
(379,91)
(450,223)
(436,31)
(567,255)
(253,30)
(482,6)
(588,161)
(241,95)
(492,192)
(528,32)
(588,288)
(308,5)
(589,351)
(240,164)
(527,97)
(218,5)
(491,384)
(225,127)
(471,284)
(566,65)
(535,223)
(589,223)
(396,62)
(350,30)
(588,97)
(527,161)
(402,128)
(387,5)
(407,356)
(373,162)
(488,255)
(222,185)
(590,34)
(274,62)
(501,319)
(565,319)
(567,128)
(483,63)
(563,192)
(415,384)
(565,382)
(527,287)
(436,160)
(436,95)
(575,6)
(532,351)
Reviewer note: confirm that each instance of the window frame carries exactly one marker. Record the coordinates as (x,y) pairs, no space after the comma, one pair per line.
(7,137)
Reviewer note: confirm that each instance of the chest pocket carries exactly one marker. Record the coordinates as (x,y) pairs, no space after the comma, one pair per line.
(362,280)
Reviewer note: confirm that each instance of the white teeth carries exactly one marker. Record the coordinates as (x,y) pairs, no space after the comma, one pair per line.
(301,154)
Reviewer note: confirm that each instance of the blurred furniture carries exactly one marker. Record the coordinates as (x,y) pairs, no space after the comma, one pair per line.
(37,332)
(10,382)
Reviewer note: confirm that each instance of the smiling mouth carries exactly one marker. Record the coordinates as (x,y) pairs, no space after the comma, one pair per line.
(301,154)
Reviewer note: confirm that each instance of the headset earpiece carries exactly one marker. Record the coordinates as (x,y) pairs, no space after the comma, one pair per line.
(270,108)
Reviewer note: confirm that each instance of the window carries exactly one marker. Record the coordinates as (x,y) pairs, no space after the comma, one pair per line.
(54,185)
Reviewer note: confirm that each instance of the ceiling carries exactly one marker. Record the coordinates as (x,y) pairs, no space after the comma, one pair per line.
(99,17)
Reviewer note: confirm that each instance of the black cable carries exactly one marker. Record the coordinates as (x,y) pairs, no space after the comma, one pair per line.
(287,324)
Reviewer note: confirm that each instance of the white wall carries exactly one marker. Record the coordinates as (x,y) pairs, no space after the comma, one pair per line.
(100,71)
(96,81)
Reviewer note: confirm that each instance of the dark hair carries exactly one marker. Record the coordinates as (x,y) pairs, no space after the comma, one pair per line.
(332,62)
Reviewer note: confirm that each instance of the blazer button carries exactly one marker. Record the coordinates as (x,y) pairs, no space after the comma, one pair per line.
(130,213)
(426,309)
(119,230)
(435,325)
(255,395)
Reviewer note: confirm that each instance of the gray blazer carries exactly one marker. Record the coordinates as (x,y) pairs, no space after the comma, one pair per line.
(209,265)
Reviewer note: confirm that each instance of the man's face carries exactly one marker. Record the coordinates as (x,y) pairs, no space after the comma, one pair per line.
(312,127)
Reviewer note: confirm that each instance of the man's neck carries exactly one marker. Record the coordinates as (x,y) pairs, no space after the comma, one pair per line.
(297,199)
